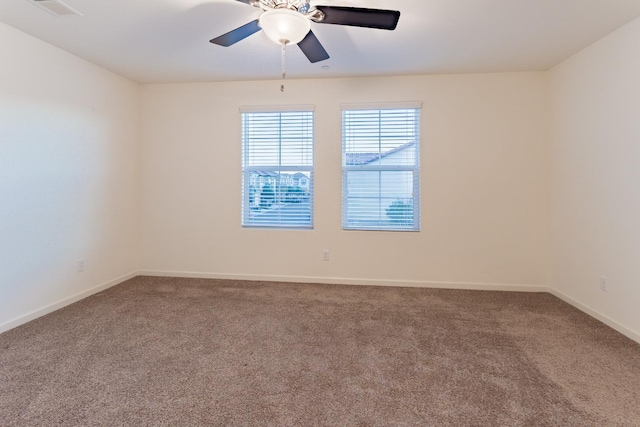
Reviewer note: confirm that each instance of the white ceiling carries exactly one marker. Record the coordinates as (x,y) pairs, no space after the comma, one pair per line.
(168,40)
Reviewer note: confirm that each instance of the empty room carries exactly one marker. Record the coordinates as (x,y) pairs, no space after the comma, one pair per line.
(308,212)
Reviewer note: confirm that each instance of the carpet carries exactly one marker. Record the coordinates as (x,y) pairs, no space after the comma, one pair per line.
(166,351)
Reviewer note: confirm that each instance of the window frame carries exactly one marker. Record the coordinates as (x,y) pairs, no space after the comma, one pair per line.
(413,168)
(246,221)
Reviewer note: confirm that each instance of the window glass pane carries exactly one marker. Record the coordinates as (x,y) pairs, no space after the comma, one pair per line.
(277,169)
(380,199)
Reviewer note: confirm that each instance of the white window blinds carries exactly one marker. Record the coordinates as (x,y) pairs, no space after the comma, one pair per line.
(381,169)
(277,169)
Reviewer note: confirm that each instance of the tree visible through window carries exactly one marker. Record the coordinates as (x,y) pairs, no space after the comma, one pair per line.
(381,169)
(277,169)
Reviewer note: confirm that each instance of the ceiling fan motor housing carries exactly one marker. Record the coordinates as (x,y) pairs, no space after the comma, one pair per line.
(301,6)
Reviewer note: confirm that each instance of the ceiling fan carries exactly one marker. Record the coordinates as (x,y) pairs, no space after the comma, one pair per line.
(289,22)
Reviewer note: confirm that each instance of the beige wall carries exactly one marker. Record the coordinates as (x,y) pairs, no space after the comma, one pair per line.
(68,177)
(484,184)
(507,161)
(595,178)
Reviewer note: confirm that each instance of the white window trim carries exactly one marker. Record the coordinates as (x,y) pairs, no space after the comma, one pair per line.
(276,108)
(401,105)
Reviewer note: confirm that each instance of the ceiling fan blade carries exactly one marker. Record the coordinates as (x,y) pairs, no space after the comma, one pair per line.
(312,48)
(236,35)
(359,17)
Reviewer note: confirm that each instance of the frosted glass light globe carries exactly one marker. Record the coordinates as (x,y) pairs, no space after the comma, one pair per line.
(285,25)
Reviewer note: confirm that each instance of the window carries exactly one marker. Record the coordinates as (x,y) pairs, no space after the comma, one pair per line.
(381,168)
(277,169)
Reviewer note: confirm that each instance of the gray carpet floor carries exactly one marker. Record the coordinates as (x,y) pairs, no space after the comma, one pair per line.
(165,351)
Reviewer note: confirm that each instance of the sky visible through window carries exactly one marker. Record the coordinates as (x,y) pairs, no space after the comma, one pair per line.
(378,131)
(279,139)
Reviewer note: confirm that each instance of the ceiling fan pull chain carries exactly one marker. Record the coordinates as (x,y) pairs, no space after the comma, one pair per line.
(283,64)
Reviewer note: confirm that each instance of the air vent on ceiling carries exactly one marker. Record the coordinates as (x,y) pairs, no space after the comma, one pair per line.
(55,7)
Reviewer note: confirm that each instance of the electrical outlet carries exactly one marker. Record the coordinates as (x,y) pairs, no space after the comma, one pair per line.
(80,266)
(325,255)
(604,283)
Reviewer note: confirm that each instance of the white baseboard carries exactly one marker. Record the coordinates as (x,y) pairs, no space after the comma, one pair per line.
(597,315)
(328,280)
(350,281)
(62,303)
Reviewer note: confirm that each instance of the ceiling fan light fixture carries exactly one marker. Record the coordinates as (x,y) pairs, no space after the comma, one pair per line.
(285,26)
